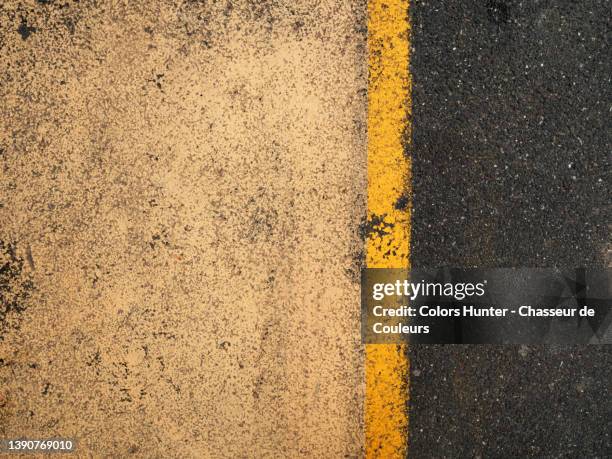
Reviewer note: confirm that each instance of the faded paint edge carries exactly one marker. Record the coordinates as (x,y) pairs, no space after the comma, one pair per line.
(389,208)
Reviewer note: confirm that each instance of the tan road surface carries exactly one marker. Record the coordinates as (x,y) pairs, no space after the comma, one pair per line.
(181,187)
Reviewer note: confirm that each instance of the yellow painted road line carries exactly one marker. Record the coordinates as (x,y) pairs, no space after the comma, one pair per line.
(388,244)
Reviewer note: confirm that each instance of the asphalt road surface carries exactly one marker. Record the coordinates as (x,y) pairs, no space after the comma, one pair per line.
(511,152)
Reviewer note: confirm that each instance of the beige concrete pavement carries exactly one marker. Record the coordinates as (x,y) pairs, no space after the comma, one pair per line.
(181,187)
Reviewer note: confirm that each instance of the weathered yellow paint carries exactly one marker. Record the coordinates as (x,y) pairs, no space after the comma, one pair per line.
(388,243)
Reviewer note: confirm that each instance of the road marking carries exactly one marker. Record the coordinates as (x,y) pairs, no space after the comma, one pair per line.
(388,243)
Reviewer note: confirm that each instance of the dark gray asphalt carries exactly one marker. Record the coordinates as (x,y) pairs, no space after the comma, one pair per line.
(511,157)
